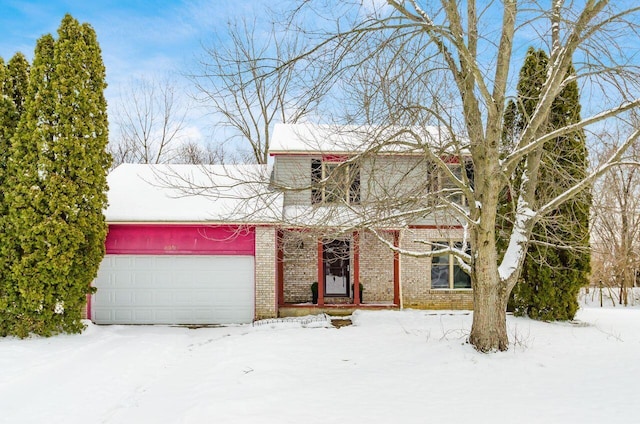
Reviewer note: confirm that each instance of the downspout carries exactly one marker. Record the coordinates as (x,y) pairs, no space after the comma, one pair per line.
(400,237)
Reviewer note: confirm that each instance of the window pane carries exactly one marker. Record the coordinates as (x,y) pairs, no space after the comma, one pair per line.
(468,165)
(440,271)
(334,190)
(461,280)
(449,184)
(354,189)
(439,277)
(316,176)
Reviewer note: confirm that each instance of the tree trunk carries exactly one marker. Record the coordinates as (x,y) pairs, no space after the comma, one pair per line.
(489,328)
(490,294)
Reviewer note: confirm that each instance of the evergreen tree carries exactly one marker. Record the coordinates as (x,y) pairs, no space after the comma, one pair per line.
(14,79)
(17,78)
(8,122)
(558,259)
(24,291)
(7,116)
(76,168)
(58,186)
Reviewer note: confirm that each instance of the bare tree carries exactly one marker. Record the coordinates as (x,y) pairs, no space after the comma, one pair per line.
(470,50)
(194,153)
(243,83)
(150,120)
(616,228)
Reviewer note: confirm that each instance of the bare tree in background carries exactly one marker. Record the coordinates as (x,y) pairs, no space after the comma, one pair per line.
(616,228)
(469,50)
(243,83)
(195,154)
(150,120)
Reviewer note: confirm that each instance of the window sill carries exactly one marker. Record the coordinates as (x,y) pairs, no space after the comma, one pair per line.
(448,290)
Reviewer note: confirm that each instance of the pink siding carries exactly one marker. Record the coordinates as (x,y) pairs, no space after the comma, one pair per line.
(160,239)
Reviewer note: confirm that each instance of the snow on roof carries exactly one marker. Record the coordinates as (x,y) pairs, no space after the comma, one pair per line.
(345,139)
(192,193)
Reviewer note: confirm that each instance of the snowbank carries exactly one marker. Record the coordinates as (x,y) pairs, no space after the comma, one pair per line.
(389,366)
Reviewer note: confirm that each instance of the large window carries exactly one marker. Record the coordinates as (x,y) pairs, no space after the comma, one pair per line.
(445,271)
(334,182)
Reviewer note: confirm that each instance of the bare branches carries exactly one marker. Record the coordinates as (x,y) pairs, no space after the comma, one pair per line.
(151,121)
(243,83)
(616,228)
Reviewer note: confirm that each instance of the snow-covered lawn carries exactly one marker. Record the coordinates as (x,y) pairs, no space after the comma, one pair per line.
(388,367)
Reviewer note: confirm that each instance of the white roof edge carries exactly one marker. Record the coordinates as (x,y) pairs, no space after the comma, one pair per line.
(308,138)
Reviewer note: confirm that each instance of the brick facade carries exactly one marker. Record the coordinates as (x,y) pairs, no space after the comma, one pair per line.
(300,265)
(376,268)
(415,273)
(265,273)
(300,269)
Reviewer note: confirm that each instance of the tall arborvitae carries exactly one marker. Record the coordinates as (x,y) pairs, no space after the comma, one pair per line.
(14,80)
(8,122)
(58,169)
(25,309)
(558,259)
(75,169)
(17,80)
(8,114)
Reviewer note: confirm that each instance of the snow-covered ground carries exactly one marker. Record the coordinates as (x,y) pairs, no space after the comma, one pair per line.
(388,367)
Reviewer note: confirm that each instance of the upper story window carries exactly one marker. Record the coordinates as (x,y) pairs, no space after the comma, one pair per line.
(335,182)
(448,186)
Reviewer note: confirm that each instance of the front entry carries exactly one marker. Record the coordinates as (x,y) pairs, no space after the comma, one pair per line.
(335,255)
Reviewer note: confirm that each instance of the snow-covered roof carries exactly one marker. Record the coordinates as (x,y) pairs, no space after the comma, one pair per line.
(349,139)
(192,193)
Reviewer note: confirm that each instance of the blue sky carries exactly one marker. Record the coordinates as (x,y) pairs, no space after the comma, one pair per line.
(139,38)
(136,36)
(145,38)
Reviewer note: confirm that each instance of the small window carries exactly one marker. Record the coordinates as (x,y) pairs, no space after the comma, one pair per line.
(448,185)
(341,182)
(451,187)
(446,273)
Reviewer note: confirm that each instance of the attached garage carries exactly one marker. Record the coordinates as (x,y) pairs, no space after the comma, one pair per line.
(154,289)
(176,274)
(188,244)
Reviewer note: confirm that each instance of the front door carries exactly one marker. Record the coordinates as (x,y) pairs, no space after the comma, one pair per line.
(335,257)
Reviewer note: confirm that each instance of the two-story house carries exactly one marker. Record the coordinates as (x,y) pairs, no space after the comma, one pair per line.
(358,214)
(194,244)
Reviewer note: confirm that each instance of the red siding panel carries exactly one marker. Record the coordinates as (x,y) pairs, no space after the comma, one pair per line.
(149,239)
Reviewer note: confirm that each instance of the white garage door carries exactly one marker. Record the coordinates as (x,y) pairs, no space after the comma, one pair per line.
(148,289)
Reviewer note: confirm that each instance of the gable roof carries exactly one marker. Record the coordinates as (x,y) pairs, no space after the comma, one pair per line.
(191,193)
(349,139)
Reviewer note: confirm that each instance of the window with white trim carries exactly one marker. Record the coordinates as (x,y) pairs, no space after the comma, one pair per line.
(334,182)
(446,273)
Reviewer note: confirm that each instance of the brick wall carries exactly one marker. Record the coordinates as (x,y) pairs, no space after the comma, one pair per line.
(376,268)
(265,260)
(300,265)
(415,273)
